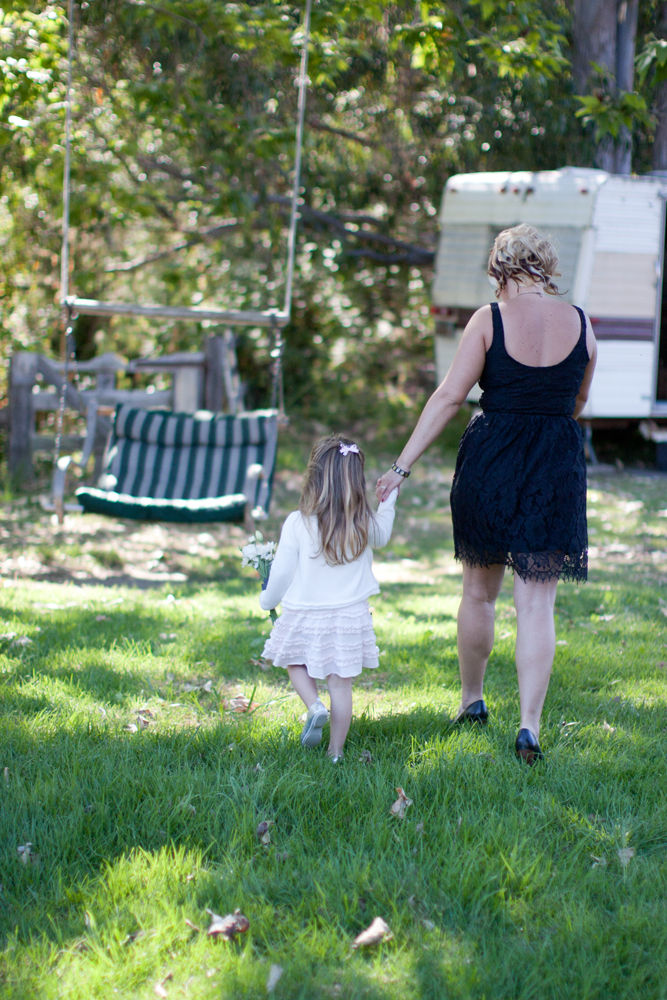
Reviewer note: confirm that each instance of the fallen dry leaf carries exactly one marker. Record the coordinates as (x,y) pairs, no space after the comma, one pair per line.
(366,757)
(24,852)
(419,828)
(662,664)
(241,704)
(131,938)
(602,862)
(207,686)
(102,618)
(159,989)
(260,662)
(23,640)
(608,729)
(377,931)
(428,925)
(400,805)
(131,728)
(258,768)
(227,927)
(7,635)
(192,926)
(262,831)
(6,774)
(625,855)
(275,972)
(142,722)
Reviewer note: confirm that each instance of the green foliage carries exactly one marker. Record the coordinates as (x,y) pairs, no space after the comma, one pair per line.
(183,124)
(652,60)
(611,111)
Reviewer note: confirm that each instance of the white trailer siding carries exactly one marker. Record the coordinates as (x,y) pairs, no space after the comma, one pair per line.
(622,285)
(623,381)
(609,234)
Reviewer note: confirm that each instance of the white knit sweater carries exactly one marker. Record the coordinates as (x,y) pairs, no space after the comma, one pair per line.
(300,578)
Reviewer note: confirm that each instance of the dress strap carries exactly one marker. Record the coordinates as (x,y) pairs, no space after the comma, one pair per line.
(582,335)
(498,328)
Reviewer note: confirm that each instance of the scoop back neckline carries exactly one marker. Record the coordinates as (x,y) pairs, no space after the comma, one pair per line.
(536,367)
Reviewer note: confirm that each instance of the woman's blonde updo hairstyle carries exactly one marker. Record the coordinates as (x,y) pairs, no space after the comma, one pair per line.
(522,253)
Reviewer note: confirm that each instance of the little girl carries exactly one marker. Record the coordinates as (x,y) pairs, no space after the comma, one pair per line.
(322,576)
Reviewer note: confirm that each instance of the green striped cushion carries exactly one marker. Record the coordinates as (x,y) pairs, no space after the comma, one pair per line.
(94,501)
(166,456)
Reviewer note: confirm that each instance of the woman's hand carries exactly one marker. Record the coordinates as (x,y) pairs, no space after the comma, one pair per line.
(385,484)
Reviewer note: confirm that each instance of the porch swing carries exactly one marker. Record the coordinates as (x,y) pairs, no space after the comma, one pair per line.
(165,465)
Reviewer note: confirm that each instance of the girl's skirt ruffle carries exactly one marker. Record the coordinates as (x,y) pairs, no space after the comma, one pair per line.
(328,641)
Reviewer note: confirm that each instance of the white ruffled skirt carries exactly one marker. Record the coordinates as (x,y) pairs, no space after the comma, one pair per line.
(328,641)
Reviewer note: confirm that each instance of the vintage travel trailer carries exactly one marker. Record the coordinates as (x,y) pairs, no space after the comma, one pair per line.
(610,234)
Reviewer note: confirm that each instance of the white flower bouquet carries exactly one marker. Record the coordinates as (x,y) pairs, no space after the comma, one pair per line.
(259,554)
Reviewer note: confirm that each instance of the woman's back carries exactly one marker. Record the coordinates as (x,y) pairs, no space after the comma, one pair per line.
(537,358)
(540,330)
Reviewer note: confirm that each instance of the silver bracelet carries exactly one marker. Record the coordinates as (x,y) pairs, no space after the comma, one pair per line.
(401,472)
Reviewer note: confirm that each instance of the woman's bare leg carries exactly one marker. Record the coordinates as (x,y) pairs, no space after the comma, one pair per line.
(476,620)
(303,683)
(535,646)
(340,690)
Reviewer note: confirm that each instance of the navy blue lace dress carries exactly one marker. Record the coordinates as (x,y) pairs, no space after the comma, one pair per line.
(519,490)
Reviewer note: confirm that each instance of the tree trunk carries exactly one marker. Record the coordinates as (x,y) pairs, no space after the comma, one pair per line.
(605,32)
(660,140)
(626,36)
(594,39)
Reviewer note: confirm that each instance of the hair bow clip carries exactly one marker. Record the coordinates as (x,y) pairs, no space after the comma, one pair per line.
(345,449)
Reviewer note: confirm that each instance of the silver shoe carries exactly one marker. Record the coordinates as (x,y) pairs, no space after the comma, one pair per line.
(316,719)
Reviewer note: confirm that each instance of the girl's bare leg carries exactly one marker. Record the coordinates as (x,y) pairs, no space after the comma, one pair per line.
(340,691)
(303,683)
(476,621)
(535,646)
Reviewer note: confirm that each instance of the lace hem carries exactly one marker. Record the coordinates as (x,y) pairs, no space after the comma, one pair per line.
(537,566)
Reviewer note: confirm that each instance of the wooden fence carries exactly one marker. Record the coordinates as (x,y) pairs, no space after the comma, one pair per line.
(205,379)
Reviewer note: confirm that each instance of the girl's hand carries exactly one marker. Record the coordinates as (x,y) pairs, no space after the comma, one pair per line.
(385,484)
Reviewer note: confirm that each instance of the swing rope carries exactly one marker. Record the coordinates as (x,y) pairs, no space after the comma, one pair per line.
(94,307)
(71,304)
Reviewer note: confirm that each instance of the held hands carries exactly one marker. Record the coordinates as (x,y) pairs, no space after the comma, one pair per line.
(385,484)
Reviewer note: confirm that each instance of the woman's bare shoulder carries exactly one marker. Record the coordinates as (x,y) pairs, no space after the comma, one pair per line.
(480,325)
(481,316)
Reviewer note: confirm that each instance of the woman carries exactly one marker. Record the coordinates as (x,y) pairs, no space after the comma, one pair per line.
(519,493)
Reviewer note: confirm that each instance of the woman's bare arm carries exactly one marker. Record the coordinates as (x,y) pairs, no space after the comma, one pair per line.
(448,398)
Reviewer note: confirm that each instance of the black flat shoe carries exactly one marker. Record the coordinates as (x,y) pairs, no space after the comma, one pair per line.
(527,748)
(477,712)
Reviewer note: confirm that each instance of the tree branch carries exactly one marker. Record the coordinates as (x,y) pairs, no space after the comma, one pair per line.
(133,265)
(318,124)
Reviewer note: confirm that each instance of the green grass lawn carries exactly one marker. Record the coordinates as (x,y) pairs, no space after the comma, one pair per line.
(500,882)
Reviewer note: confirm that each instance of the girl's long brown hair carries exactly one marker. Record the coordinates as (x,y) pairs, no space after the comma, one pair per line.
(334,491)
